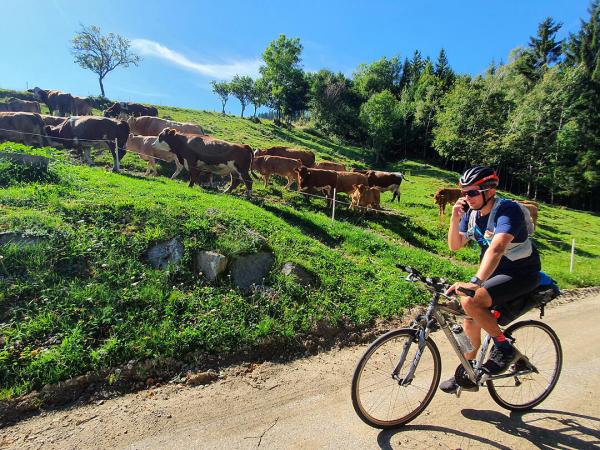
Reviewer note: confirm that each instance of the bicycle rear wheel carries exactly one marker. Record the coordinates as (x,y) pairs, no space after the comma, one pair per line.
(378,397)
(541,345)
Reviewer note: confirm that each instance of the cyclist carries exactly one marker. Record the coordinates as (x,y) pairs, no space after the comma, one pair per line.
(509,263)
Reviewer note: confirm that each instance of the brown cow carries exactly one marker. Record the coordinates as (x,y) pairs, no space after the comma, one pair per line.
(57,101)
(28,128)
(306,156)
(347,180)
(144,147)
(130,109)
(18,105)
(81,132)
(81,107)
(533,210)
(310,179)
(204,154)
(365,197)
(52,120)
(443,196)
(152,126)
(386,181)
(330,165)
(284,167)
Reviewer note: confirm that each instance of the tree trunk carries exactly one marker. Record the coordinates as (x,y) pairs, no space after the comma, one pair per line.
(101,87)
(255,110)
(243,108)
(223,110)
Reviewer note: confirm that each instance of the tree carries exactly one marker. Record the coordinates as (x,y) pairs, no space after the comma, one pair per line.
(223,90)
(259,95)
(379,115)
(546,50)
(284,77)
(102,53)
(443,70)
(378,76)
(241,88)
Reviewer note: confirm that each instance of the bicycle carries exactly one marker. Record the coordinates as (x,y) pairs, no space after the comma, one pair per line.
(398,375)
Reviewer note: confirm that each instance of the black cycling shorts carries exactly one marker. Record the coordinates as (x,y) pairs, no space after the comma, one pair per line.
(504,288)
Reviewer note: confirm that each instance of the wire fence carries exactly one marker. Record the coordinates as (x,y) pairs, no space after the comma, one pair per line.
(331,199)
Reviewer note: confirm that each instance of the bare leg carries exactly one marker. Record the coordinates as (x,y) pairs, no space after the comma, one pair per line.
(477,307)
(473,331)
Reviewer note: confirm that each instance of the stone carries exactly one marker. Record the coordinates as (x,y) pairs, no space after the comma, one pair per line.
(211,264)
(165,253)
(11,237)
(303,276)
(196,379)
(251,269)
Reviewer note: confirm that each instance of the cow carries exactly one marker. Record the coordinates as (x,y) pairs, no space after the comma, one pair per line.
(81,107)
(346,181)
(306,156)
(386,181)
(28,128)
(533,210)
(277,165)
(79,132)
(144,147)
(152,126)
(52,120)
(130,109)
(310,179)
(365,197)
(201,153)
(18,105)
(330,165)
(445,196)
(57,101)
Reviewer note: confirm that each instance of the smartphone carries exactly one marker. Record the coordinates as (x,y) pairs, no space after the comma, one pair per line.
(465,206)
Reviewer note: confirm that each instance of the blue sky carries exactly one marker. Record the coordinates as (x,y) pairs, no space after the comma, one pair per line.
(186,44)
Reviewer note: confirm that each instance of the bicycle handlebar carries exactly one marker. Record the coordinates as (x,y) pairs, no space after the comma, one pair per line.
(439,285)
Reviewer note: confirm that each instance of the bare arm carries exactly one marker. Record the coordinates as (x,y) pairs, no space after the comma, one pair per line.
(456,239)
(493,255)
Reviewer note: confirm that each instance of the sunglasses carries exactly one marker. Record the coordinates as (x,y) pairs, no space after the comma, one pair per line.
(473,192)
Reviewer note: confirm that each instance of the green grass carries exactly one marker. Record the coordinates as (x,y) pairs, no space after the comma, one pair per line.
(85,298)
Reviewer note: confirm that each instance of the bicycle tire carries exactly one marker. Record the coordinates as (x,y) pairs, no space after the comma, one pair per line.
(541,345)
(370,400)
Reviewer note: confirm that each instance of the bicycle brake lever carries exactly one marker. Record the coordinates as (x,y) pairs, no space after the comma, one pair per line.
(469,292)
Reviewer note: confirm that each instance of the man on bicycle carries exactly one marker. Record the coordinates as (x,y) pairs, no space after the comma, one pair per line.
(509,263)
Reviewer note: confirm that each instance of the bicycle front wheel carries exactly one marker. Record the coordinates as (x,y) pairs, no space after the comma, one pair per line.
(541,345)
(379,397)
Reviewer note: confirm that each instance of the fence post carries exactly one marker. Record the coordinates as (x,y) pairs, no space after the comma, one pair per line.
(572,255)
(333,206)
(117,162)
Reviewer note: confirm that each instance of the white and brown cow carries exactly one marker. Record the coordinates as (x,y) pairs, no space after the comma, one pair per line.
(152,126)
(27,128)
(81,107)
(57,101)
(82,133)
(201,153)
(306,156)
(144,147)
(386,181)
(277,165)
(18,105)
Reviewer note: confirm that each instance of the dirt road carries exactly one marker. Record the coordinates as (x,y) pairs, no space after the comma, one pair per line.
(306,404)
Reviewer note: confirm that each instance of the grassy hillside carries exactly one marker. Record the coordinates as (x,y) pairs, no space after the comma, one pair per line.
(85,298)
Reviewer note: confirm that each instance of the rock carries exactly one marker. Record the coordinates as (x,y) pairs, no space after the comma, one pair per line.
(303,276)
(165,253)
(251,269)
(10,237)
(196,379)
(211,264)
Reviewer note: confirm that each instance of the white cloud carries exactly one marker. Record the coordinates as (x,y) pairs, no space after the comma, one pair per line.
(220,71)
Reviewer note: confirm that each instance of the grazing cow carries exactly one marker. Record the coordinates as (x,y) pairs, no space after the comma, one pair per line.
(201,153)
(363,171)
(78,132)
(443,196)
(81,107)
(152,126)
(386,181)
(329,165)
(347,180)
(306,156)
(18,105)
(52,120)
(277,165)
(144,147)
(28,128)
(365,197)
(533,210)
(57,101)
(311,179)
(130,109)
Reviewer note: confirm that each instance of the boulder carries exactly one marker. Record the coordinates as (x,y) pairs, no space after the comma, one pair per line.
(165,253)
(211,264)
(303,276)
(251,269)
